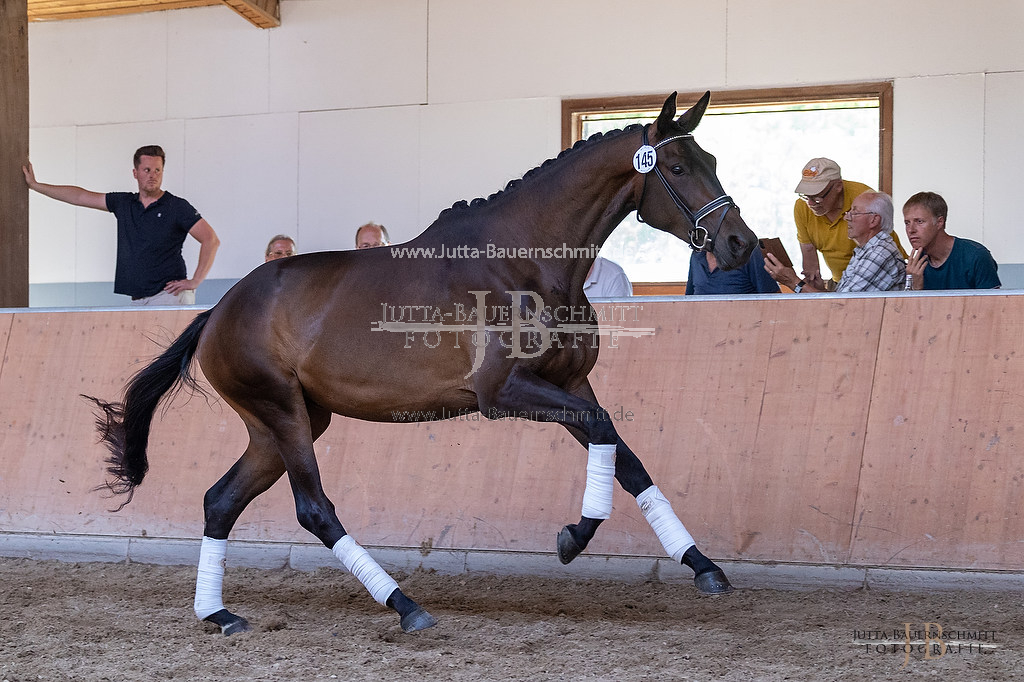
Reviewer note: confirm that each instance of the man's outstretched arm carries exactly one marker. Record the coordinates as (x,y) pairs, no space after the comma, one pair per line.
(69,194)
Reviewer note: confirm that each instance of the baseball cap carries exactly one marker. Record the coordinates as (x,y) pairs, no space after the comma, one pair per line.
(816,176)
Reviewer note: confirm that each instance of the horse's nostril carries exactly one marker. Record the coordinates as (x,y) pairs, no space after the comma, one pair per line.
(740,246)
(737,244)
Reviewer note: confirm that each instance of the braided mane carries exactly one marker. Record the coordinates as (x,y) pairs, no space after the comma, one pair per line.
(512,184)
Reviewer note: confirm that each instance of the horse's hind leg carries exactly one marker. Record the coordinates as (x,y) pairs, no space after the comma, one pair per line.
(268,456)
(254,472)
(316,513)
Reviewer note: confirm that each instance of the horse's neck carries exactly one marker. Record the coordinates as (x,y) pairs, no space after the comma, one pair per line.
(576,202)
(586,195)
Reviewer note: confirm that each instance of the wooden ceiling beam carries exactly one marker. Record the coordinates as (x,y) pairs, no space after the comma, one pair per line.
(261,13)
(51,10)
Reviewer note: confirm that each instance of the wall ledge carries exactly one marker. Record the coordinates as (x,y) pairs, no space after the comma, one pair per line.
(630,569)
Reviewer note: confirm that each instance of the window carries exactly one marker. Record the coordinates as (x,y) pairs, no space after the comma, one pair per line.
(761,138)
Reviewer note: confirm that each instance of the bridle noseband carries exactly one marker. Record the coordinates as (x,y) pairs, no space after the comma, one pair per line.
(645,160)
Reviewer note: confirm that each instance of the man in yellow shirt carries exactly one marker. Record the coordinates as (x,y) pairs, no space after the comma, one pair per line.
(819,215)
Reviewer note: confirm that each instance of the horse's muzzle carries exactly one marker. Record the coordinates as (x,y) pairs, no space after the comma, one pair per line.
(733,246)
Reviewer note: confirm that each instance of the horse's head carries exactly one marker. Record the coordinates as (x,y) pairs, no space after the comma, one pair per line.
(681,193)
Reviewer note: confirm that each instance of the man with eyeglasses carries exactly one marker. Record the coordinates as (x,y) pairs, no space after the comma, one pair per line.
(819,214)
(876,264)
(279,246)
(371,236)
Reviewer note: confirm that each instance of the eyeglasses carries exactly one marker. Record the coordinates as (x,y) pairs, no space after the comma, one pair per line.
(853,214)
(819,197)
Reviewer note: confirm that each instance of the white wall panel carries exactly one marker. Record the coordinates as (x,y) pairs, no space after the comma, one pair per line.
(98,70)
(539,48)
(337,54)
(938,146)
(1004,177)
(472,150)
(796,42)
(930,37)
(52,239)
(217,65)
(241,176)
(355,167)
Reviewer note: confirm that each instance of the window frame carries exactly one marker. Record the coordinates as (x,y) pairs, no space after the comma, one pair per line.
(573,109)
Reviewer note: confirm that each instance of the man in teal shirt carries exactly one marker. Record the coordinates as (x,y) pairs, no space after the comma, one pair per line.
(940,260)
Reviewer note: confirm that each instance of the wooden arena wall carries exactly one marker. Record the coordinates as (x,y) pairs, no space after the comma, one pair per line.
(849,431)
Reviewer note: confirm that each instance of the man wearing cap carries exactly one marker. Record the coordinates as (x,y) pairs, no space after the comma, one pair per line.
(819,215)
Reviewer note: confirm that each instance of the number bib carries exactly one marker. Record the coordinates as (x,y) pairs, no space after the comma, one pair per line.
(644,159)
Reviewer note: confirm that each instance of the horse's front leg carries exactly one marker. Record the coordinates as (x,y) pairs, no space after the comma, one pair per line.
(657,510)
(609,458)
(634,479)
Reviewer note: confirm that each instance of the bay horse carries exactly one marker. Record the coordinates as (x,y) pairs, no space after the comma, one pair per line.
(293,343)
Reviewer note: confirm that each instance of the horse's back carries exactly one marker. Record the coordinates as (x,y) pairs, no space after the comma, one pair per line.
(311,319)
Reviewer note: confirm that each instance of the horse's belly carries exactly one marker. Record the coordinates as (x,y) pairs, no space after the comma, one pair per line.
(391,398)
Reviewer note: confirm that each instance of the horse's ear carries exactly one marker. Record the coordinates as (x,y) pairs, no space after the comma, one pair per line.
(666,124)
(691,117)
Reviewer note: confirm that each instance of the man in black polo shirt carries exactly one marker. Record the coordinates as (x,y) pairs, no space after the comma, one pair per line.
(151,228)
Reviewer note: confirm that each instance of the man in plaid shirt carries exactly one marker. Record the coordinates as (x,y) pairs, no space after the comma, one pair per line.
(877,264)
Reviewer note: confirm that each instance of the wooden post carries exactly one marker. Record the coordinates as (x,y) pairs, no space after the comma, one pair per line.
(13,153)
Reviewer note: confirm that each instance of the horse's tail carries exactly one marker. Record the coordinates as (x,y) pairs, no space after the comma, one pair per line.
(124,426)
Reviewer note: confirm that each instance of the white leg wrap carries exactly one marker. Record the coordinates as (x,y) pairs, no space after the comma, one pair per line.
(667,526)
(360,564)
(210,577)
(597,496)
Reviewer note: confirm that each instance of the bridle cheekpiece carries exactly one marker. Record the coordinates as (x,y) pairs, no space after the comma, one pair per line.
(645,160)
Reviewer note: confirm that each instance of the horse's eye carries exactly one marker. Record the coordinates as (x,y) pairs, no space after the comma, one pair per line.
(677,170)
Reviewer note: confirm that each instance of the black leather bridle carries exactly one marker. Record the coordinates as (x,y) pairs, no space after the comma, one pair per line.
(700,238)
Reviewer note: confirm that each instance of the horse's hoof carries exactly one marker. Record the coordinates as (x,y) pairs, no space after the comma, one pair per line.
(568,548)
(229,623)
(712,582)
(238,625)
(417,620)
